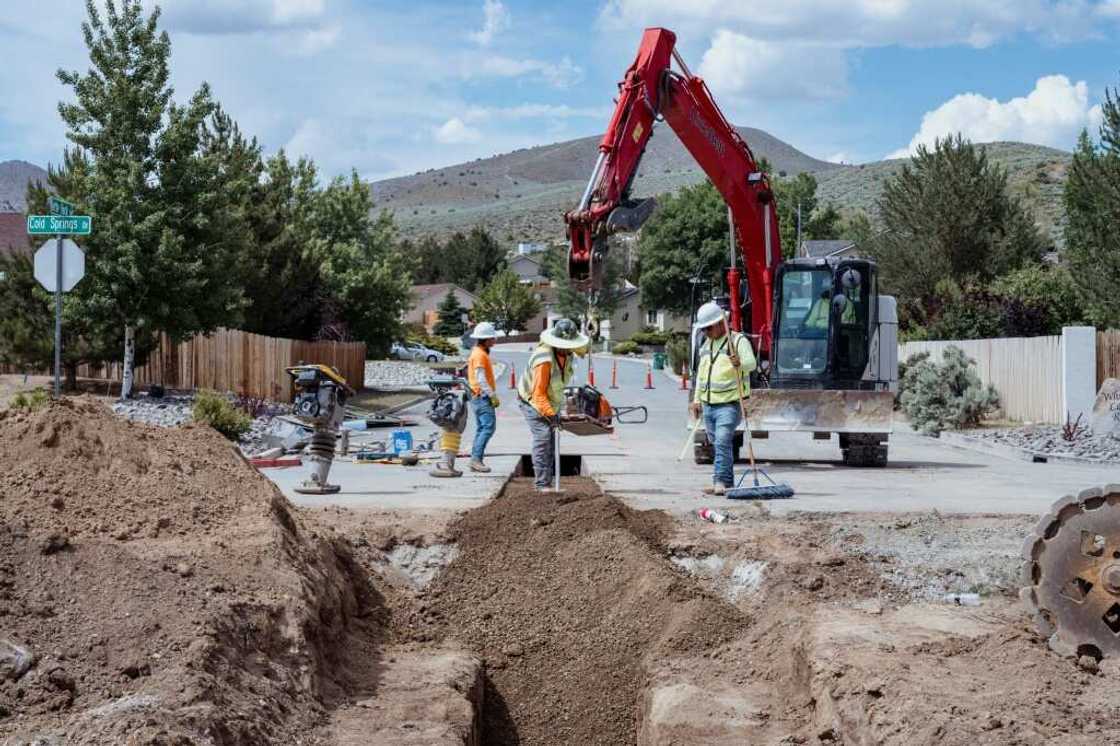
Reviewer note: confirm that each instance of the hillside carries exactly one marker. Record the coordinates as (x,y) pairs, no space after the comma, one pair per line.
(522,195)
(14,176)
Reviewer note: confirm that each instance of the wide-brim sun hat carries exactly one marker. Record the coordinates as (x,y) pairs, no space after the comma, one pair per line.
(564,335)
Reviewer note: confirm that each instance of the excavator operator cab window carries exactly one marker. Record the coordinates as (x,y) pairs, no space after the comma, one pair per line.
(803,317)
(852,309)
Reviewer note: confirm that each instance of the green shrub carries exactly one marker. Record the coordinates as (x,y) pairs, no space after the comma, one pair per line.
(221,414)
(31,400)
(650,337)
(625,348)
(939,396)
(677,348)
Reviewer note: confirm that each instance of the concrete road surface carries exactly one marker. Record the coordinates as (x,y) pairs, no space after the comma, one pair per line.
(639,463)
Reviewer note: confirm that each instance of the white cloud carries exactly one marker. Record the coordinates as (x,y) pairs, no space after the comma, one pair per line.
(456,132)
(1109,9)
(562,74)
(1052,114)
(737,64)
(243,16)
(860,23)
(315,41)
(496,20)
(536,111)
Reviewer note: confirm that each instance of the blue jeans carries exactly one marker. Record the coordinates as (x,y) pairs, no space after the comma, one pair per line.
(485,421)
(720,421)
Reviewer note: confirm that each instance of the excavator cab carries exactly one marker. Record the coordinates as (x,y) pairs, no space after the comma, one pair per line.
(826,316)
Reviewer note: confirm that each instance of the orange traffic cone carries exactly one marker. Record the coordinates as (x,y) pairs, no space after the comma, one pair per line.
(512,378)
(649,376)
(590,372)
(614,375)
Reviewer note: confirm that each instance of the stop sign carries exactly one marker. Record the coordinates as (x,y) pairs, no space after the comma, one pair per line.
(46,265)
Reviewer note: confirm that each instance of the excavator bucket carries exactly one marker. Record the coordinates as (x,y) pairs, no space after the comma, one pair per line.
(816,410)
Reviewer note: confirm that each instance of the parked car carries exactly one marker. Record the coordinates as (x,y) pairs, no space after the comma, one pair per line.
(415,351)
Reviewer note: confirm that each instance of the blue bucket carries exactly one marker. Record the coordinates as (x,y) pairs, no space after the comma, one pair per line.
(402,441)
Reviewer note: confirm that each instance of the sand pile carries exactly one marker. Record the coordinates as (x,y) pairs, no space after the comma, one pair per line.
(155,588)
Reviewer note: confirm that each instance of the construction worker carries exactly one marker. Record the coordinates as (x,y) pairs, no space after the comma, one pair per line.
(723,363)
(484,396)
(540,392)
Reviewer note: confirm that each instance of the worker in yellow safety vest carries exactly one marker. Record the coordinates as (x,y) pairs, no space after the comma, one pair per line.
(722,379)
(818,314)
(540,392)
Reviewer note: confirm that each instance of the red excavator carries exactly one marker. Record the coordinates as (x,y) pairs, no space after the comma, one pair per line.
(825,337)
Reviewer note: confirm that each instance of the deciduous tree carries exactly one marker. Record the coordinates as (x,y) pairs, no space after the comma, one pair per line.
(507,303)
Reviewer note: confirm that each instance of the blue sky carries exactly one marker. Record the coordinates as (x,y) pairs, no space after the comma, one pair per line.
(393,87)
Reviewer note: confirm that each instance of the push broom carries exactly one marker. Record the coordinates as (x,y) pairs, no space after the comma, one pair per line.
(757,491)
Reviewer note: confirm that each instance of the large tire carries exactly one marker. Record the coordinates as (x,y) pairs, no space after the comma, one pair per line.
(433,359)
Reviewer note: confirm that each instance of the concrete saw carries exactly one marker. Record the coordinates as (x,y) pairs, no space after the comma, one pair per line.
(1071,573)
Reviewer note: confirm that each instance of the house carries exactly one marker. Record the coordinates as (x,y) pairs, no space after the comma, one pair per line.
(528,271)
(525,249)
(629,317)
(828,249)
(13,234)
(426,300)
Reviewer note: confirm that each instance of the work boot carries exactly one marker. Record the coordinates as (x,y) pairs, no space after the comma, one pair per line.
(715,489)
(445,469)
(479,467)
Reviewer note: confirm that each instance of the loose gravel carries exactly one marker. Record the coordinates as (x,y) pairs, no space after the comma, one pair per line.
(1047,439)
(175,410)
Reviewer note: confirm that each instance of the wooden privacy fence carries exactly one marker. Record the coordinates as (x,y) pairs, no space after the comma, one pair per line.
(1108,356)
(1027,372)
(236,361)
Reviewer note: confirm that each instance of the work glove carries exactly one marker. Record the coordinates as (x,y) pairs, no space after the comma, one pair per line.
(495,402)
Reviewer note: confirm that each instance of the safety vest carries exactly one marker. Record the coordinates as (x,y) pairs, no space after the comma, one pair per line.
(818,315)
(716,380)
(556,382)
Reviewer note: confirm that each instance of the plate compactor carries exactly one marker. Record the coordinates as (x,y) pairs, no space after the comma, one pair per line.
(319,402)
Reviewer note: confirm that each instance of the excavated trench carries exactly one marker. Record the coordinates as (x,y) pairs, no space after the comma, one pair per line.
(572,602)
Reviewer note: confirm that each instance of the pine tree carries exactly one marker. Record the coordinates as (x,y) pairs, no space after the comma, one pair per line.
(450,316)
(948,216)
(507,303)
(159,258)
(1092,200)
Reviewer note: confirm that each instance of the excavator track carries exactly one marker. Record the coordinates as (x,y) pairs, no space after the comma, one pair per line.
(1071,573)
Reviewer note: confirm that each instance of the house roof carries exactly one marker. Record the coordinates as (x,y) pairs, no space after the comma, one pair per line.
(816,249)
(13,233)
(426,291)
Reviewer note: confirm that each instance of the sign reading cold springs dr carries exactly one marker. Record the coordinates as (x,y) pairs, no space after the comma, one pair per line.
(1106,412)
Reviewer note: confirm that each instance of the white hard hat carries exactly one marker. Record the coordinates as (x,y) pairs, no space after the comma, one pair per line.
(564,335)
(709,314)
(484,330)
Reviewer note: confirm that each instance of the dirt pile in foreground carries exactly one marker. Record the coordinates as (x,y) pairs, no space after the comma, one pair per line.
(568,599)
(155,589)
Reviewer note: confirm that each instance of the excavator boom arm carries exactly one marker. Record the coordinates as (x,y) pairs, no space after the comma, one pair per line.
(651,90)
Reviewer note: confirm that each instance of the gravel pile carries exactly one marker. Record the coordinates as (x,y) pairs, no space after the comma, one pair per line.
(174,410)
(1047,439)
(395,374)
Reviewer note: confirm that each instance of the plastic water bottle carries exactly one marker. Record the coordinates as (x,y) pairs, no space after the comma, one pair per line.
(711,516)
(962,599)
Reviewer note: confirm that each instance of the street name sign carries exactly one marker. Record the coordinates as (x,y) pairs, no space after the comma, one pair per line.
(59,206)
(47,225)
(46,265)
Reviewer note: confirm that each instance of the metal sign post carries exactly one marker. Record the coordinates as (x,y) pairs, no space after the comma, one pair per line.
(68,265)
(58,317)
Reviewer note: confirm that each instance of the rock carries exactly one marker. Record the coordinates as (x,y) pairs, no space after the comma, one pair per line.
(815,583)
(60,679)
(513,651)
(1088,663)
(54,542)
(58,503)
(15,660)
(134,669)
(184,570)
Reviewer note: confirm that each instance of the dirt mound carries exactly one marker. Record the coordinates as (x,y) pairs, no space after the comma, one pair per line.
(568,599)
(155,589)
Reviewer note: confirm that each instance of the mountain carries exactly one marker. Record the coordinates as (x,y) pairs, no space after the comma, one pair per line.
(14,176)
(522,196)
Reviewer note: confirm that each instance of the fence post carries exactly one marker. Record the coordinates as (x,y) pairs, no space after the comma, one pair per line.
(1079,371)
